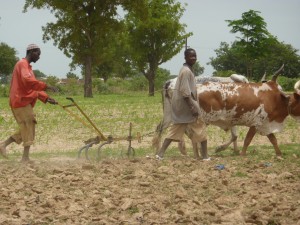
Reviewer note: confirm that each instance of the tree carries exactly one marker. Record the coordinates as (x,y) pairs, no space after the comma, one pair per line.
(71,75)
(52,80)
(39,74)
(280,53)
(83,30)
(155,35)
(104,70)
(198,70)
(117,62)
(161,77)
(254,37)
(230,59)
(8,60)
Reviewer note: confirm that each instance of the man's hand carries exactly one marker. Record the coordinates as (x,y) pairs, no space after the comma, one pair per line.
(193,109)
(51,101)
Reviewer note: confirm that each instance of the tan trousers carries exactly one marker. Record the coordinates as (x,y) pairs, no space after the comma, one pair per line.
(25,118)
(196,131)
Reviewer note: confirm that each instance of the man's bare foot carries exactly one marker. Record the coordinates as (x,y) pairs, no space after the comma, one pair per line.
(3,150)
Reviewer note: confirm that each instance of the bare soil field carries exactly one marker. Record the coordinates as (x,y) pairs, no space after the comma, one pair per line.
(142,190)
(57,188)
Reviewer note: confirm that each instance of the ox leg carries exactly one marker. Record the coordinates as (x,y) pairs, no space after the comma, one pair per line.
(273,140)
(232,140)
(195,150)
(204,150)
(250,134)
(165,145)
(182,148)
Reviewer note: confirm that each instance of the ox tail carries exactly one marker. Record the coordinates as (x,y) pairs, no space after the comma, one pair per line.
(164,123)
(165,92)
(156,140)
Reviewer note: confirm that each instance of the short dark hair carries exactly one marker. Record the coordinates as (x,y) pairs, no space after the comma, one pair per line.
(188,51)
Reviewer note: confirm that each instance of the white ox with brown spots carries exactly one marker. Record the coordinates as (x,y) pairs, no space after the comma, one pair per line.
(167,120)
(262,107)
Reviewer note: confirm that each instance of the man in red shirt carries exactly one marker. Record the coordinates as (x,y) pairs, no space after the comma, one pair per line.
(25,89)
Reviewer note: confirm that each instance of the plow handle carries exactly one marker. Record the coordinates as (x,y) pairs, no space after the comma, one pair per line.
(90,121)
(71,99)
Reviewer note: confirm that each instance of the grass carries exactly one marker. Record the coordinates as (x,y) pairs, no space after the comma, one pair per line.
(60,134)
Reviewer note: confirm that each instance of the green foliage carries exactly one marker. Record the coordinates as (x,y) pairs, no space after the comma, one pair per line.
(72,88)
(38,74)
(229,58)
(4,90)
(71,75)
(100,86)
(254,33)
(226,73)
(51,80)
(8,60)
(138,83)
(161,77)
(198,70)
(254,37)
(155,35)
(104,70)
(286,83)
(279,53)
(256,51)
(83,30)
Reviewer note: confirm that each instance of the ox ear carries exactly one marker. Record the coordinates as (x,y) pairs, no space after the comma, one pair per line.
(284,96)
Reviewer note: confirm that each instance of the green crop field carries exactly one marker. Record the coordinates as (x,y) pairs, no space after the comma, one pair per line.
(59,133)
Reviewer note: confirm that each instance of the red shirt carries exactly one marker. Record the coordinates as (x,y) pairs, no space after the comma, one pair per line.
(24,87)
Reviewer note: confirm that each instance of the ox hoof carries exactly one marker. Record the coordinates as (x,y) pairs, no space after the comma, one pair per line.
(207,159)
(158,157)
(279,157)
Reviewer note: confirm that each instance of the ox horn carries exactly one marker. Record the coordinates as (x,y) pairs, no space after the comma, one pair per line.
(275,75)
(263,79)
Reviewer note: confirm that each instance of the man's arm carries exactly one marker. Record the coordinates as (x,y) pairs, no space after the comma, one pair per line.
(191,105)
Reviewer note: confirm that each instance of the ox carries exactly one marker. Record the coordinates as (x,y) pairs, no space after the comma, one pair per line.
(262,107)
(167,92)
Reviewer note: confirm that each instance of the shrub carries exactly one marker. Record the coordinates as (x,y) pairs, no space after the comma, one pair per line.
(286,83)
(4,90)
(100,87)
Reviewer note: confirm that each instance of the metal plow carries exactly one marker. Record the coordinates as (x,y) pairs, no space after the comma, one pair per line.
(100,136)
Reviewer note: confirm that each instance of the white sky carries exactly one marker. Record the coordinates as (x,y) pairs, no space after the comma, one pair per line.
(205,18)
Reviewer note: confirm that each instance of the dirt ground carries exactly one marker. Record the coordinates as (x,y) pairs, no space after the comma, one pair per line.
(257,189)
(142,190)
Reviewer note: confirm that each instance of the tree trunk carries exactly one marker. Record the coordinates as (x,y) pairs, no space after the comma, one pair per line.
(88,92)
(150,76)
(249,70)
(151,87)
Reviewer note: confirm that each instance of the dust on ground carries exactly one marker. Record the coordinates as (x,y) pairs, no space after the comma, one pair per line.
(142,190)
